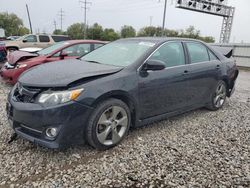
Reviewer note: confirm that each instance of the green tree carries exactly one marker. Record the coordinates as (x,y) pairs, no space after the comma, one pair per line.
(23,31)
(95,32)
(127,31)
(58,32)
(207,39)
(190,32)
(109,35)
(76,31)
(11,23)
(157,32)
(171,33)
(147,31)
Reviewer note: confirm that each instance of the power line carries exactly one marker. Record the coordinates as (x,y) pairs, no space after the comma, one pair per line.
(61,15)
(84,5)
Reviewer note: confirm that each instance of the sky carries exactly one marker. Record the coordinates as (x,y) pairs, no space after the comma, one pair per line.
(137,13)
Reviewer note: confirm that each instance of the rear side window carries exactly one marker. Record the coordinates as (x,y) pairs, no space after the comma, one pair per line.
(44,38)
(212,56)
(76,50)
(60,38)
(197,52)
(171,54)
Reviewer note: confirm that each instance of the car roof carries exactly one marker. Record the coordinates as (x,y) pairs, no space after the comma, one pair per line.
(84,41)
(160,39)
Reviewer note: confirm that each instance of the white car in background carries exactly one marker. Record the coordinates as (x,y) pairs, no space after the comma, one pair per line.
(31,49)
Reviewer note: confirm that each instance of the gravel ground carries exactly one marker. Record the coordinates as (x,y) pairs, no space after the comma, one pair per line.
(196,149)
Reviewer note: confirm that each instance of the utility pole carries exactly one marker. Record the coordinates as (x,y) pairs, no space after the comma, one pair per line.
(29,18)
(150,20)
(61,14)
(55,24)
(84,6)
(164,18)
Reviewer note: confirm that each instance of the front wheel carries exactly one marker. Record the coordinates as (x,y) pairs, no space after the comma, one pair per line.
(108,124)
(218,97)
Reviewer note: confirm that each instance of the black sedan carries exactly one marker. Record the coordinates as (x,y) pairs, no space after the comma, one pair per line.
(127,83)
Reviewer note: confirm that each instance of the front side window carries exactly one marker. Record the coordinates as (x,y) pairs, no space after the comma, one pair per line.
(119,53)
(77,50)
(172,54)
(31,38)
(52,48)
(44,38)
(197,52)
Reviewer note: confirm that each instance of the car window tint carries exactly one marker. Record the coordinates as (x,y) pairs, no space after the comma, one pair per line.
(98,46)
(212,56)
(76,50)
(60,38)
(197,52)
(31,38)
(44,38)
(172,54)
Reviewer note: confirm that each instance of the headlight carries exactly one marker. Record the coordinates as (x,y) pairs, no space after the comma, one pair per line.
(9,66)
(58,97)
(21,66)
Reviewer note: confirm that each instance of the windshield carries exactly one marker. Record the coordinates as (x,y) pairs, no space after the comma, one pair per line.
(52,48)
(120,53)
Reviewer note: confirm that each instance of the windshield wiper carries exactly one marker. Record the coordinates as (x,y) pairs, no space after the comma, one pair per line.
(94,62)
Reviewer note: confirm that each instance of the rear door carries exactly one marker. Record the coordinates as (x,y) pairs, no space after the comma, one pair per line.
(166,90)
(204,71)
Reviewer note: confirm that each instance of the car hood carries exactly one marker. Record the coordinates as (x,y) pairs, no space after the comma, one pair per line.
(63,73)
(31,49)
(17,56)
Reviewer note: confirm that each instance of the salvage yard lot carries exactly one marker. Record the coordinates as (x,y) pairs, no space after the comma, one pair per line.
(196,149)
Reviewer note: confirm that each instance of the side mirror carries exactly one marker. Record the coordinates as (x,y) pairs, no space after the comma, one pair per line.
(63,55)
(25,40)
(154,65)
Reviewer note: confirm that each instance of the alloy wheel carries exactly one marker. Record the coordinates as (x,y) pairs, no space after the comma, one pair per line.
(220,96)
(112,125)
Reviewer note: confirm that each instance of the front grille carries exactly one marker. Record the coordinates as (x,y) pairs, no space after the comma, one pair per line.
(25,94)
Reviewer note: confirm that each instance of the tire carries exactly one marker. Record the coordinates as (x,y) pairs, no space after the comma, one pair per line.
(218,96)
(106,129)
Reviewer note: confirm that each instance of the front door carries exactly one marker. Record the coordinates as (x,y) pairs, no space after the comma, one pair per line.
(164,91)
(29,41)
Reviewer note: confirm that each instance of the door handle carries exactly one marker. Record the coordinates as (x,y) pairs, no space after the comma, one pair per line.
(217,66)
(185,72)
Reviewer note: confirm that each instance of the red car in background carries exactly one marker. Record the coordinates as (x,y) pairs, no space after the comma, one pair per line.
(19,61)
(3,53)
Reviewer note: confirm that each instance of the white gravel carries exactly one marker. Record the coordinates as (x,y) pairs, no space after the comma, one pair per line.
(196,149)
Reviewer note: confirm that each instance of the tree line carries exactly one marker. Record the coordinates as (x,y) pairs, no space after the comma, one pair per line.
(13,25)
(97,32)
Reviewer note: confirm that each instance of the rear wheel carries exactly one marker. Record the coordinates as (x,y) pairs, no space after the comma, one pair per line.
(218,97)
(108,124)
